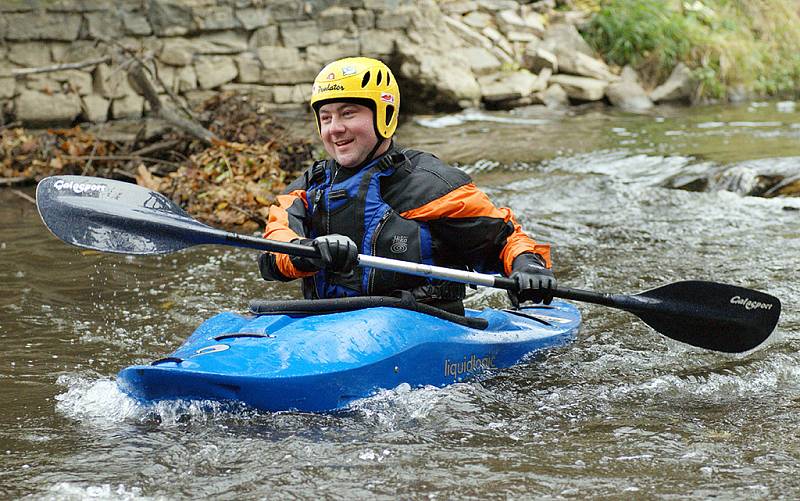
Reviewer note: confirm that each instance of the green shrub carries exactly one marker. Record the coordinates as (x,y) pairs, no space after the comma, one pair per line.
(727,43)
(647,34)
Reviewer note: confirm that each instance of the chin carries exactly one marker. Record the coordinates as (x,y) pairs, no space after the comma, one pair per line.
(348,162)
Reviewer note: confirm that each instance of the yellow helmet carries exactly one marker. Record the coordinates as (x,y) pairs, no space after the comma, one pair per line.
(361,80)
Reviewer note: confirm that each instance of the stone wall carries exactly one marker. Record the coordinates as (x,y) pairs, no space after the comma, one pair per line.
(450,54)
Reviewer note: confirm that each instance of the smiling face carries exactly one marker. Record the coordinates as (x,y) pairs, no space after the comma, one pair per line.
(348,134)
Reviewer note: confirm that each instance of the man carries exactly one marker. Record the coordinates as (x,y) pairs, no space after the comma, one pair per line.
(377,198)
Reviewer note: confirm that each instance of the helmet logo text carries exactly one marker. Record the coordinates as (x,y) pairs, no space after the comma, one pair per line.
(329,87)
(387,98)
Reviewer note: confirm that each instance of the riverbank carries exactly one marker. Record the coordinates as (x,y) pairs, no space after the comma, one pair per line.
(76,62)
(733,50)
(229,182)
(158,106)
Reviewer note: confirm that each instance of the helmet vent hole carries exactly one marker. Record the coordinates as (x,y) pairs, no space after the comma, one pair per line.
(379,78)
(389,114)
(365,80)
(388,78)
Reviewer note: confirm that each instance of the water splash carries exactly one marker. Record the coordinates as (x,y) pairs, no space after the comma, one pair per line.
(102,404)
(67,491)
(476,116)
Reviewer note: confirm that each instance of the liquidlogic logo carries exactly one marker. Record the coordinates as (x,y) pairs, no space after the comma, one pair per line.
(78,187)
(467,365)
(749,304)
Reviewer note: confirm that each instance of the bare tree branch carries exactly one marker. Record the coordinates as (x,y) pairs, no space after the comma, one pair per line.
(136,73)
(57,67)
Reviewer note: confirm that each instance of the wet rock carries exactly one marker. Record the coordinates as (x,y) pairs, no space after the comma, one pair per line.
(481,61)
(459,7)
(537,58)
(762,178)
(678,87)
(478,20)
(737,179)
(499,41)
(581,88)
(450,82)
(555,97)
(628,96)
(565,36)
(516,28)
(510,87)
(577,63)
(628,74)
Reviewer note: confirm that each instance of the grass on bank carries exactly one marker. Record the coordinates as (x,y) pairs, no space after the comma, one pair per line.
(730,45)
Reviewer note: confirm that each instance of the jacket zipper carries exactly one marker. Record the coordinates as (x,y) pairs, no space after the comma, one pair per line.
(373,249)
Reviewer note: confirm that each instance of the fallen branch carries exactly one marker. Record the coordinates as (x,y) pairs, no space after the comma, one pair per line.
(157,147)
(25,196)
(11,181)
(57,67)
(122,157)
(150,94)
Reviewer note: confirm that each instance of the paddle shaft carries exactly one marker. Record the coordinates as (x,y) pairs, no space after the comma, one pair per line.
(381,263)
(620,301)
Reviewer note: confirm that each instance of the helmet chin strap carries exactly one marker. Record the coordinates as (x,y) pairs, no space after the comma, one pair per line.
(371,154)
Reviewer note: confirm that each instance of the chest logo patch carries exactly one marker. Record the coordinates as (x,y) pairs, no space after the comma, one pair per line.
(399,244)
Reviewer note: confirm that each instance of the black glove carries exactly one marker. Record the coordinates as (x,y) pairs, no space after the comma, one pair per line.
(536,283)
(338,254)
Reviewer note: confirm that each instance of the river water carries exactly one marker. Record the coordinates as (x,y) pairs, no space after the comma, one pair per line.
(622,412)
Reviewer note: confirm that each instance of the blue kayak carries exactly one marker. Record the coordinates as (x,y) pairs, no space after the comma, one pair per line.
(307,359)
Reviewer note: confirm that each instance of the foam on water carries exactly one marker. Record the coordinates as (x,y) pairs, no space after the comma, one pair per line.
(68,491)
(761,378)
(476,116)
(101,403)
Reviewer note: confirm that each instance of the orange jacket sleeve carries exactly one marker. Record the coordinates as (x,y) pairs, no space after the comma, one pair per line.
(278,229)
(468,201)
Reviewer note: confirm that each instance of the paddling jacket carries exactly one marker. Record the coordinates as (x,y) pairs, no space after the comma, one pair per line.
(405,205)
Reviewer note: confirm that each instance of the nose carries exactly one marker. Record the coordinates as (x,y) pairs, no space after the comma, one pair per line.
(336,125)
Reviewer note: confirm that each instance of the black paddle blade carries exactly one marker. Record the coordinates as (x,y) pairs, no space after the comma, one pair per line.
(708,315)
(113,216)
